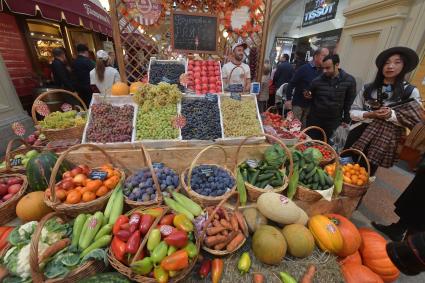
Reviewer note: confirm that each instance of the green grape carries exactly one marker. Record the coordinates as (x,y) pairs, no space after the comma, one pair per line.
(62,120)
(156,124)
(157,96)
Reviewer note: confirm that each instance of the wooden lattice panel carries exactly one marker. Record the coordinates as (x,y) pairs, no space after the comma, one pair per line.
(142,42)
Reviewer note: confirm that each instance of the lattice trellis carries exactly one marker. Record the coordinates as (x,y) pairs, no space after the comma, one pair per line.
(140,43)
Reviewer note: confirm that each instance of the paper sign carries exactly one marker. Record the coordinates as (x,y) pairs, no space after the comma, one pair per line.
(235,95)
(255,88)
(252,163)
(158,165)
(211,97)
(98,175)
(16,162)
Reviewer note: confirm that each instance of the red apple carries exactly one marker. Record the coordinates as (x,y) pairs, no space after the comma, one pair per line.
(67,185)
(14,180)
(77,170)
(14,189)
(3,190)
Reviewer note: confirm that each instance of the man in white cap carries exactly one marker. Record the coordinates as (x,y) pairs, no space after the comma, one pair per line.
(235,71)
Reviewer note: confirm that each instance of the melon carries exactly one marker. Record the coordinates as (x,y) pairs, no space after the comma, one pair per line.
(135,87)
(32,207)
(278,208)
(269,245)
(254,218)
(299,239)
(303,220)
(120,89)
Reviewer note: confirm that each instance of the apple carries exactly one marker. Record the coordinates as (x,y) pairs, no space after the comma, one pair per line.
(198,88)
(7,197)
(204,74)
(197,81)
(217,73)
(66,174)
(14,189)
(77,170)
(32,153)
(3,190)
(79,179)
(218,83)
(197,69)
(67,185)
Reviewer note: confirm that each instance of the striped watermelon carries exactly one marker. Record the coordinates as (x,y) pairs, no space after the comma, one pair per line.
(39,169)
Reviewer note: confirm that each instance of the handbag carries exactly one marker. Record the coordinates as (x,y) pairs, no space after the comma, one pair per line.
(413,146)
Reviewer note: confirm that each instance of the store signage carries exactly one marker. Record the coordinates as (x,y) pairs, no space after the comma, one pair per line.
(145,12)
(317,11)
(92,12)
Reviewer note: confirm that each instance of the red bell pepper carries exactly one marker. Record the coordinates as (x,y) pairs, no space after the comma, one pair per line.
(146,223)
(133,243)
(4,236)
(117,225)
(176,261)
(118,248)
(205,268)
(123,235)
(177,239)
(167,219)
(4,229)
(217,269)
(134,221)
(166,230)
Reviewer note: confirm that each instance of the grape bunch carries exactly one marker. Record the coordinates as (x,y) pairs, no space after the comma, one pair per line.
(203,119)
(156,124)
(156,96)
(168,72)
(211,180)
(62,120)
(109,123)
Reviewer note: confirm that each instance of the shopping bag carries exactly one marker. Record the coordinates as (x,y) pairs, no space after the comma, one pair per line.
(339,138)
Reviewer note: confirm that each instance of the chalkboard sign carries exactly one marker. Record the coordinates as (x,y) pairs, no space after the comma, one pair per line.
(194,32)
(98,175)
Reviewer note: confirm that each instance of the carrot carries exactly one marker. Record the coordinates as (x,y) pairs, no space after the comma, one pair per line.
(229,238)
(209,210)
(217,223)
(226,224)
(258,278)
(225,214)
(216,217)
(309,274)
(234,222)
(53,249)
(214,240)
(242,223)
(224,233)
(235,242)
(215,230)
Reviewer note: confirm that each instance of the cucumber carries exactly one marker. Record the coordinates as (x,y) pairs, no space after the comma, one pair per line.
(316,176)
(309,167)
(321,175)
(302,162)
(262,184)
(311,173)
(254,177)
(78,228)
(329,180)
(276,183)
(314,186)
(263,177)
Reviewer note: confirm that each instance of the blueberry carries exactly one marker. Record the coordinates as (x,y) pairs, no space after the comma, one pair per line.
(152,196)
(163,186)
(149,182)
(145,197)
(149,190)
(168,180)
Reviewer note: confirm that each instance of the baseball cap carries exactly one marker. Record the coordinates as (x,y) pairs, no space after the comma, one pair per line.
(241,43)
(102,54)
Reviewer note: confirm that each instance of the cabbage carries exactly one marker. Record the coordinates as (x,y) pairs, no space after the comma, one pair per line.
(312,154)
(274,156)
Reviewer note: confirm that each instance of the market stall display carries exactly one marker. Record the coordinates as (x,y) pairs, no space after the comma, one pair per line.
(289,129)
(168,71)
(16,160)
(12,187)
(204,76)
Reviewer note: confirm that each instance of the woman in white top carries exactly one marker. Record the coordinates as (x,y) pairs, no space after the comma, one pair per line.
(104,76)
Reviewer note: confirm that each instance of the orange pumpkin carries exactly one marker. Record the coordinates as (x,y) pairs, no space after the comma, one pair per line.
(354,258)
(120,89)
(374,254)
(135,87)
(356,273)
(326,233)
(350,234)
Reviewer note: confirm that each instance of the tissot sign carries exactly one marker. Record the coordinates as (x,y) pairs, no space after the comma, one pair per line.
(318,11)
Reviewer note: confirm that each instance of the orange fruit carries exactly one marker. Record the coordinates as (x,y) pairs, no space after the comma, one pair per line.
(347,179)
(61,194)
(347,174)
(360,182)
(352,171)
(73,197)
(354,178)
(103,190)
(88,196)
(356,166)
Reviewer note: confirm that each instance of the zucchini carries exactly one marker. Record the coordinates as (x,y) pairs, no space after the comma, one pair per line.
(252,170)
(254,177)
(268,167)
(263,177)
(316,176)
(309,180)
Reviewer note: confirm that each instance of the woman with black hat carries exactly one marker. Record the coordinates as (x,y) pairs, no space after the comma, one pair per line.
(385,107)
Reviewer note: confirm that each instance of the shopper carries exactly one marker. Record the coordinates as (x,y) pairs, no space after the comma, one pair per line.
(81,70)
(61,74)
(331,94)
(283,74)
(235,71)
(263,97)
(103,76)
(385,107)
(300,83)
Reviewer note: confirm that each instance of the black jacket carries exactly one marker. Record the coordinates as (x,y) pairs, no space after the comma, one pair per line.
(81,70)
(61,76)
(332,97)
(283,74)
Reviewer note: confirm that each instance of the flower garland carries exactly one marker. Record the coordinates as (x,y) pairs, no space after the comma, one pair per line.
(131,14)
(253,24)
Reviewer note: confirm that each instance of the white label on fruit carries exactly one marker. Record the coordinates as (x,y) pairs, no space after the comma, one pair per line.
(331,228)
(284,200)
(252,163)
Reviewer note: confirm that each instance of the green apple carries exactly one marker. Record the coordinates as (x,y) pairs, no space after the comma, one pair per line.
(3,165)
(42,137)
(30,154)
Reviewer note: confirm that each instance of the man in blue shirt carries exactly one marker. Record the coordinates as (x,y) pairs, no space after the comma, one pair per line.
(300,84)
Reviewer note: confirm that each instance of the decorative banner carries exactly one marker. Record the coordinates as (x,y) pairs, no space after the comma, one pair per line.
(66,107)
(42,108)
(244,20)
(145,12)
(179,122)
(18,129)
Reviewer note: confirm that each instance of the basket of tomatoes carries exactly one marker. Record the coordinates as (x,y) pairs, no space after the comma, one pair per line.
(329,155)
(83,189)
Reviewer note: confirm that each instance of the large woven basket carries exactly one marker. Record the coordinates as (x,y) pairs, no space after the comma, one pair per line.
(350,190)
(306,194)
(60,134)
(86,207)
(255,192)
(205,201)
(125,270)
(158,200)
(210,218)
(10,153)
(325,139)
(87,269)
(8,208)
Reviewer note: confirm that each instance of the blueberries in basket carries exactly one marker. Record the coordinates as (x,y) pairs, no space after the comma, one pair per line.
(210,180)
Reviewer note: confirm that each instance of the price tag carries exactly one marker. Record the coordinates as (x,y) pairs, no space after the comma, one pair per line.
(16,161)
(346,160)
(166,80)
(252,163)
(98,175)
(158,165)
(211,97)
(207,171)
(268,187)
(236,88)
(235,96)
(255,88)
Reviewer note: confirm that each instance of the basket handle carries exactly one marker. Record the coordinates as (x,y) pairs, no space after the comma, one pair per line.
(325,138)
(37,274)
(361,155)
(287,151)
(189,175)
(270,108)
(231,73)
(62,157)
(9,150)
(322,143)
(44,94)
(148,162)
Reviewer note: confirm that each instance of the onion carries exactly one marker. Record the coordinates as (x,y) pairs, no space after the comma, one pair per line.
(79,179)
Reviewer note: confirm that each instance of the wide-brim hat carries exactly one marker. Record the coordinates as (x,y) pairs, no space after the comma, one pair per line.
(412,58)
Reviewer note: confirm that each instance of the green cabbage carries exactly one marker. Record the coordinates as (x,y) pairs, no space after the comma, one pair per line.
(313,155)
(275,156)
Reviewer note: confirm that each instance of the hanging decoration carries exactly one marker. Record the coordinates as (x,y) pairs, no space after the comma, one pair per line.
(245,19)
(18,129)
(143,12)
(66,107)
(179,122)
(42,108)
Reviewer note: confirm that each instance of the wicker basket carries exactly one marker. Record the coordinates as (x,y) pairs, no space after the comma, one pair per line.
(60,134)
(8,208)
(350,190)
(158,200)
(10,153)
(86,207)
(205,201)
(208,222)
(87,269)
(125,270)
(305,194)
(325,140)
(253,191)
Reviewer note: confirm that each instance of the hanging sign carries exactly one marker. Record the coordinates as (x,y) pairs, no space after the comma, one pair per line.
(317,11)
(145,12)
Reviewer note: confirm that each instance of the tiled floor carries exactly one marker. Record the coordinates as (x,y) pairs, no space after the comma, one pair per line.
(377,205)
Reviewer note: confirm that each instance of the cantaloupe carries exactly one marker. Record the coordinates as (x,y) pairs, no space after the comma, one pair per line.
(268,245)
(254,218)
(119,89)
(299,239)
(303,218)
(135,87)
(32,207)
(278,208)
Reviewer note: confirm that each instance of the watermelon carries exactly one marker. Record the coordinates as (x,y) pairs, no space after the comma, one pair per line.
(39,169)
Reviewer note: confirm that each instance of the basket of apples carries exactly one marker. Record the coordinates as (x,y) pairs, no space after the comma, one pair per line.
(12,188)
